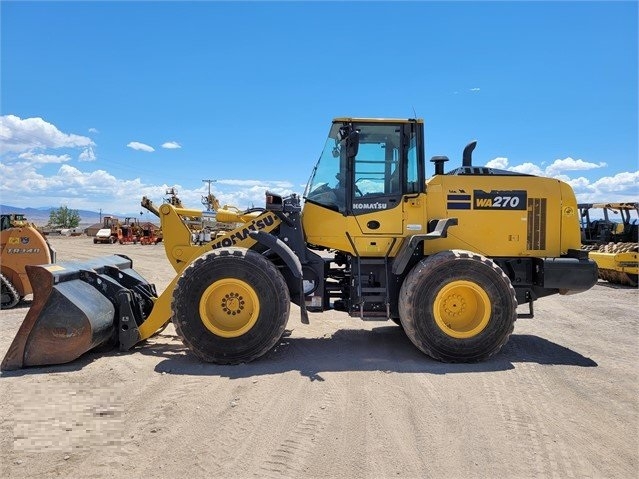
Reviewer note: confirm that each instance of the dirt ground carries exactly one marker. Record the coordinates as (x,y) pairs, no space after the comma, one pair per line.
(339,398)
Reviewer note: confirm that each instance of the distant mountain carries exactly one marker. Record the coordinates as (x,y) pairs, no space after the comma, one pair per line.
(40,216)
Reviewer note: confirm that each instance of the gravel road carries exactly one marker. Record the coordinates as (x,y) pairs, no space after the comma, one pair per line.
(339,398)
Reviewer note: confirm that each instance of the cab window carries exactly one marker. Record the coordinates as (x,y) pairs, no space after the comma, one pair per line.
(412,173)
(376,166)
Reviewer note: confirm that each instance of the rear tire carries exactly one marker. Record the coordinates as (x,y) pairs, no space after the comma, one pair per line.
(230,306)
(457,306)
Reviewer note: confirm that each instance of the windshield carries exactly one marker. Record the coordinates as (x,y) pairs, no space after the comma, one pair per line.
(324,185)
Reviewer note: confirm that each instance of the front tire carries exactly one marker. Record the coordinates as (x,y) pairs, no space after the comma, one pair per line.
(457,306)
(230,306)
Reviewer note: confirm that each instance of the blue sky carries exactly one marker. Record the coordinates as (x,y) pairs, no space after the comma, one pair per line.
(244,93)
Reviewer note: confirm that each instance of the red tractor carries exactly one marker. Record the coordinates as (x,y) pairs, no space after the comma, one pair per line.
(129,231)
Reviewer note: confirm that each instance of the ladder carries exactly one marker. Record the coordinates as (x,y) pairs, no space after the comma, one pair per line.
(371,296)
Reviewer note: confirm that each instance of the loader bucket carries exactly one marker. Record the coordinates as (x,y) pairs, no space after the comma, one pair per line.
(79,306)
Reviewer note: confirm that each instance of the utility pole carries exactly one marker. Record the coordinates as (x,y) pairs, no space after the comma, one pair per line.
(206,200)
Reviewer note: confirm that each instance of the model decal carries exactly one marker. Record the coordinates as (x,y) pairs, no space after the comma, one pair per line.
(499,200)
(23,250)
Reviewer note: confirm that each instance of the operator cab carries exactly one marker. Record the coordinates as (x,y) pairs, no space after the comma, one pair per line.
(368,165)
(12,220)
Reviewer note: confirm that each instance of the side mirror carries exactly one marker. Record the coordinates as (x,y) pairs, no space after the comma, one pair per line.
(352,144)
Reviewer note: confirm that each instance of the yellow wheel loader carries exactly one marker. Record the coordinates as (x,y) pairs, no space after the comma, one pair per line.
(612,242)
(449,258)
(21,244)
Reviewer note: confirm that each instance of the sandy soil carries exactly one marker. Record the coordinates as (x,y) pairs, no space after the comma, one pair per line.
(339,398)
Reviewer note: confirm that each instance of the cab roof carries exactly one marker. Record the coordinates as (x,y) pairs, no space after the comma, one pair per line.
(376,120)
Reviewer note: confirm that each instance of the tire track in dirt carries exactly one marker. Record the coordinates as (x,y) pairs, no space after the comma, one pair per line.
(557,450)
(530,418)
(234,421)
(518,429)
(251,416)
(297,445)
(303,420)
(223,421)
(451,424)
(524,426)
(377,430)
(405,431)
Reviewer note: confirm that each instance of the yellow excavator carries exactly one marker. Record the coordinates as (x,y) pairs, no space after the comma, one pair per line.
(450,258)
(21,244)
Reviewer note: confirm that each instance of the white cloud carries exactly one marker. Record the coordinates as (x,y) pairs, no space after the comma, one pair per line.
(475,89)
(84,190)
(136,145)
(87,154)
(18,135)
(528,169)
(171,145)
(553,170)
(41,158)
(626,182)
(93,130)
(499,163)
(620,187)
(23,183)
(502,163)
(569,164)
(575,183)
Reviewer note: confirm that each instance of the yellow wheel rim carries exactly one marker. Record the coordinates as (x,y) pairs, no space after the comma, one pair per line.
(229,308)
(462,309)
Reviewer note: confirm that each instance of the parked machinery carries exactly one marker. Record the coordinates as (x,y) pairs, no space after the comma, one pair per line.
(609,233)
(449,258)
(150,234)
(129,231)
(21,244)
(109,231)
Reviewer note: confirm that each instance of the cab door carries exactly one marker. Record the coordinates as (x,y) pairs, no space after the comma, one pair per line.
(377,179)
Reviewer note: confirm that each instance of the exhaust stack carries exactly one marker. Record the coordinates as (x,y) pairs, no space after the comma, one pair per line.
(467,156)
